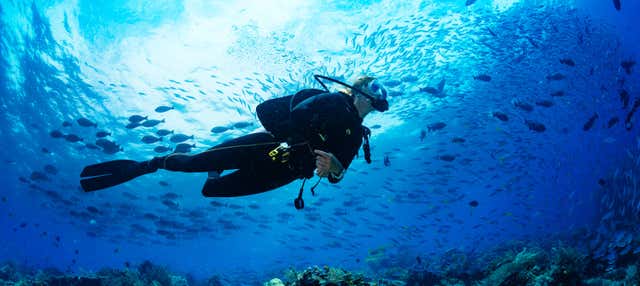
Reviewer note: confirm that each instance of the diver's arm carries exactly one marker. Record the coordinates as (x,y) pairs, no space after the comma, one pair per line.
(327,164)
(345,160)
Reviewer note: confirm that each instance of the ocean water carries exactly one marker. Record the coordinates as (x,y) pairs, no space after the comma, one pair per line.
(475,184)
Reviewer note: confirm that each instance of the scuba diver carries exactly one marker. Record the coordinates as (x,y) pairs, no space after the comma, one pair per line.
(311,130)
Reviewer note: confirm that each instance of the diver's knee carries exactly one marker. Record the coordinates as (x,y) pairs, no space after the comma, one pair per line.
(207,192)
(214,187)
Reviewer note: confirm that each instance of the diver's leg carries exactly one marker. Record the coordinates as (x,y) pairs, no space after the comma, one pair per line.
(233,154)
(245,182)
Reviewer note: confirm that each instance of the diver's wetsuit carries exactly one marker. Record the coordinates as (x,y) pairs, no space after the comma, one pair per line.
(324,121)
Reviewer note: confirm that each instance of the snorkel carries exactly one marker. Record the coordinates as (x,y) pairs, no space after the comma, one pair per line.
(380,104)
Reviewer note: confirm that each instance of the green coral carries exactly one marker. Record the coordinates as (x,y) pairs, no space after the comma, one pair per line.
(274,282)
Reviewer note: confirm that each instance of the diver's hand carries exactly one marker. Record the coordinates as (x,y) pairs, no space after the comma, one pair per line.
(327,163)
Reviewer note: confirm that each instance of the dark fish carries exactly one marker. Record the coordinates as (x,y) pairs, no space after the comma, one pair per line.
(108,147)
(458,140)
(492,32)
(624,97)
(392,83)
(132,125)
(409,78)
(150,216)
(66,124)
(602,182)
(628,66)
(556,76)
(152,122)
(473,203)
(86,122)
(216,204)
(178,138)
(544,103)
(161,149)
(567,61)
(613,121)
(590,122)
(38,176)
(470,2)
(628,125)
(428,89)
(163,183)
(482,77)
(184,148)
(56,134)
(376,126)
(72,138)
(423,134)
(93,209)
(104,143)
(161,109)
(447,158)
(45,150)
(535,126)
(51,169)
(532,42)
(149,139)
(170,204)
(242,124)
(219,129)
(616,3)
(102,134)
(164,132)
(500,115)
(387,162)
(558,93)
(436,126)
(523,105)
(137,118)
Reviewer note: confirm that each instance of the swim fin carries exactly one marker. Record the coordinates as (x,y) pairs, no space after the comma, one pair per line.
(108,174)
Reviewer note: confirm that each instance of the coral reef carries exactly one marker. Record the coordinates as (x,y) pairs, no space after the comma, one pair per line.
(316,276)
(614,240)
(145,275)
(518,265)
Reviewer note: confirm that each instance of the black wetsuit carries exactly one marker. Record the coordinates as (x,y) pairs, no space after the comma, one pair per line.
(318,120)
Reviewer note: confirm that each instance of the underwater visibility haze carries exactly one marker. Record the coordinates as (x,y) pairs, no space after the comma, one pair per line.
(510,153)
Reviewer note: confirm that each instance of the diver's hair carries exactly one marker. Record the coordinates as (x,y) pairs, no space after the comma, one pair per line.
(361,84)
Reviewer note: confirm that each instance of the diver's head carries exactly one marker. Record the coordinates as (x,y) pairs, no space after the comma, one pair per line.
(374,97)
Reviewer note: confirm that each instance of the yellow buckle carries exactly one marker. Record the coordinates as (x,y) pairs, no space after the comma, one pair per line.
(273,153)
(281,152)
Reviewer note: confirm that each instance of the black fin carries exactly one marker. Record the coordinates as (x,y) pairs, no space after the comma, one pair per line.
(112,173)
(106,168)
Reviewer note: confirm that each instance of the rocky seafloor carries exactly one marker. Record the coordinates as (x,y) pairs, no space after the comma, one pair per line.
(526,266)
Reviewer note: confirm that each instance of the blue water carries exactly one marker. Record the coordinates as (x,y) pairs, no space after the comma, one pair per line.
(215,62)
